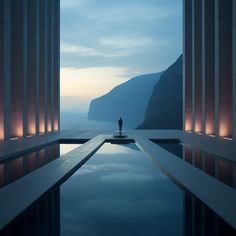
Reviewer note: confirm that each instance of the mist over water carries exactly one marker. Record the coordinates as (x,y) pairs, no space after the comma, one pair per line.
(80,121)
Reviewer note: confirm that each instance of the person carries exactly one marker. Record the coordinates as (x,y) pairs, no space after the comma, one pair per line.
(120,123)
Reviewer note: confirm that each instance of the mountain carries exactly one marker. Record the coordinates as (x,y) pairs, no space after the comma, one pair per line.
(164,110)
(128,100)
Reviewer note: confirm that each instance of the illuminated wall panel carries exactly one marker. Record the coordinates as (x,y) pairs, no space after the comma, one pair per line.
(225,68)
(210,107)
(42,65)
(209,66)
(29,67)
(32,92)
(188,64)
(1,73)
(18,66)
(56,105)
(50,63)
(198,64)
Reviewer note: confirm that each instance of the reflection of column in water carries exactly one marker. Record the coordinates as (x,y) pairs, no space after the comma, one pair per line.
(210,165)
(188,154)
(200,220)
(31,161)
(225,172)
(41,157)
(2,174)
(198,159)
(42,218)
(56,151)
(17,168)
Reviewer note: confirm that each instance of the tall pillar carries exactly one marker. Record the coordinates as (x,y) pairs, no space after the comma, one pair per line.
(32,67)
(188,34)
(225,68)
(216,27)
(56,101)
(42,65)
(209,68)
(234,69)
(5,15)
(193,66)
(198,65)
(18,66)
(2,6)
(49,64)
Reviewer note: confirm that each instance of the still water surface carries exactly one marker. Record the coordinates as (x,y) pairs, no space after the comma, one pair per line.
(119,191)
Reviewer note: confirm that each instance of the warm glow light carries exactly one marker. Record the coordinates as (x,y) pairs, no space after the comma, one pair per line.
(55,125)
(41,123)
(198,127)
(49,126)
(224,126)
(1,126)
(31,126)
(188,124)
(209,128)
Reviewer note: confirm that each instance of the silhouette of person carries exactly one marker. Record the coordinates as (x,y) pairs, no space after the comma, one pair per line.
(120,123)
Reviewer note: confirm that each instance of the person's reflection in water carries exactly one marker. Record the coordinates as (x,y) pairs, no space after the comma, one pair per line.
(120,123)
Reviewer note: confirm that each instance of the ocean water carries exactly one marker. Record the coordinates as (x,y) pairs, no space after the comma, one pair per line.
(80,121)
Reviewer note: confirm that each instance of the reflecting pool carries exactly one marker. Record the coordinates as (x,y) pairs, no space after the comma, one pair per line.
(119,191)
(16,167)
(215,166)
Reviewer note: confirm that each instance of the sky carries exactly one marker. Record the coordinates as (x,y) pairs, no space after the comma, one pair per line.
(107,42)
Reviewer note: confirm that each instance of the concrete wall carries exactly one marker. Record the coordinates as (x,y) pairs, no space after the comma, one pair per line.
(29,67)
(209,67)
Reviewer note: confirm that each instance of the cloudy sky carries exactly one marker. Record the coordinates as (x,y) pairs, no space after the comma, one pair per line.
(107,42)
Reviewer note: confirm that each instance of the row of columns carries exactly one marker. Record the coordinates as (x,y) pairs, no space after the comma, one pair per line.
(209,67)
(29,67)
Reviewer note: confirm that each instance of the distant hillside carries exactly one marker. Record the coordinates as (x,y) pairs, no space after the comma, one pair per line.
(128,100)
(164,110)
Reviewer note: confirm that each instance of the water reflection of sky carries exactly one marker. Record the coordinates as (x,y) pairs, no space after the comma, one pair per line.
(122,193)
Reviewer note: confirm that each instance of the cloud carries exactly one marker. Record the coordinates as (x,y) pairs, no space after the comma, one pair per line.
(90,52)
(126,42)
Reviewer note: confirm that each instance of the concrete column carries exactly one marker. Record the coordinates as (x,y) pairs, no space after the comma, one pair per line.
(204,10)
(56,117)
(193,65)
(49,65)
(18,67)
(42,65)
(209,98)
(25,65)
(32,67)
(225,68)
(216,123)
(234,69)
(188,50)
(37,66)
(198,65)
(5,15)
